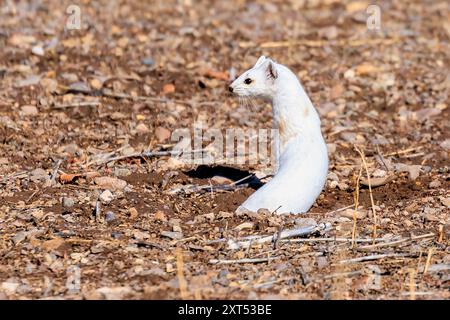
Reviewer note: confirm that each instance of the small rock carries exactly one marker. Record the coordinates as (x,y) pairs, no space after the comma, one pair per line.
(67,202)
(122,172)
(349,74)
(221,180)
(38,174)
(110,216)
(435,184)
(53,244)
(80,86)
(142,129)
(333,184)
(116,235)
(30,81)
(352,137)
(168,88)
(70,77)
(159,215)
(177,228)
(28,111)
(9,287)
(38,50)
(162,134)
(408,223)
(106,197)
(333,177)
(445,145)
(305,222)
(245,225)
(445,201)
(378,173)
(148,62)
(431,217)
(414,172)
(139,235)
(360,214)
(172,235)
(110,183)
(19,237)
(133,213)
(118,115)
(322,262)
(204,217)
(343,186)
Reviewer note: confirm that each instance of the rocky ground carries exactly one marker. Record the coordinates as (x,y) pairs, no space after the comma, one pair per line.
(85,215)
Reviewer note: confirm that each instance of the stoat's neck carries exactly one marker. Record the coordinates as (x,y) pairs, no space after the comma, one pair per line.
(293,113)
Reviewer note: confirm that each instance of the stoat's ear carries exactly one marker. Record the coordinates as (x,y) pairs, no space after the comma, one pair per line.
(271,70)
(260,61)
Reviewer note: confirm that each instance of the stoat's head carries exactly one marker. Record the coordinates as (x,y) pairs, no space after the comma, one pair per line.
(259,81)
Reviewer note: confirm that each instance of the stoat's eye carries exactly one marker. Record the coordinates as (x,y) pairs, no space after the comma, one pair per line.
(248,81)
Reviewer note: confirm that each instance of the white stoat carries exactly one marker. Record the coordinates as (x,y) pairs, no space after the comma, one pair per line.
(302,152)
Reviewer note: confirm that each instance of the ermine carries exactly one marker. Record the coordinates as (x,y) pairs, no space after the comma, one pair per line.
(301,149)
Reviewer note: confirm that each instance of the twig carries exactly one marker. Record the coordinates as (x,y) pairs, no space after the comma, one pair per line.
(356,206)
(97,210)
(376,257)
(382,158)
(298,232)
(32,195)
(363,158)
(248,260)
(427,264)
(396,242)
(404,151)
(180,274)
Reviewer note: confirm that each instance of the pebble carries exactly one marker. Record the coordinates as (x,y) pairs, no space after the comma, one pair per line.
(148,62)
(122,172)
(162,134)
(19,237)
(305,222)
(110,216)
(142,129)
(38,50)
(67,202)
(110,183)
(360,214)
(30,81)
(172,235)
(28,111)
(333,177)
(79,86)
(221,180)
(106,197)
(435,184)
(38,174)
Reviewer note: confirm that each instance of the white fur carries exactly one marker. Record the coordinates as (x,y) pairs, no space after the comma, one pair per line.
(303,157)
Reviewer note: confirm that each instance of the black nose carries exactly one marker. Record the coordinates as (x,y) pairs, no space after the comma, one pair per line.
(230,88)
